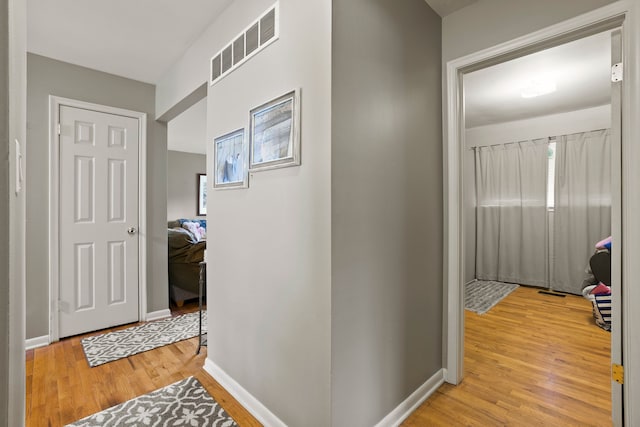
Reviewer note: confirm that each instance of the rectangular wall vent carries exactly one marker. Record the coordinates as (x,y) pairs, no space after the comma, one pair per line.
(258,35)
(238,50)
(252,39)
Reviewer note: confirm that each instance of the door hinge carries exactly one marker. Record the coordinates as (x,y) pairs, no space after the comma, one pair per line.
(59,129)
(616,72)
(617,373)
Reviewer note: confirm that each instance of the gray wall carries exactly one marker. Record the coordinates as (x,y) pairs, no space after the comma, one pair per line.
(271,257)
(386,209)
(12,212)
(182,184)
(50,77)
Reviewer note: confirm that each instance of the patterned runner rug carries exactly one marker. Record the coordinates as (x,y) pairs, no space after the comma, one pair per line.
(185,403)
(480,296)
(112,346)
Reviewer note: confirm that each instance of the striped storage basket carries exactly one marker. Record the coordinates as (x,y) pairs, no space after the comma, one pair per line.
(602,310)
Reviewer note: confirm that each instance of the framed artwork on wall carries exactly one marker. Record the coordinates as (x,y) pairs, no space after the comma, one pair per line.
(229,161)
(202,194)
(274,133)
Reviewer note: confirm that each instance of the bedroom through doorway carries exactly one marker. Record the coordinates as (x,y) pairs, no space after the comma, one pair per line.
(539,169)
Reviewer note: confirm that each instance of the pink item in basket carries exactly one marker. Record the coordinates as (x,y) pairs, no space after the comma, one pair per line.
(602,243)
(600,289)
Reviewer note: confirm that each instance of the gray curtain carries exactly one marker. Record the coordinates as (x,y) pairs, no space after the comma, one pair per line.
(512,221)
(582,213)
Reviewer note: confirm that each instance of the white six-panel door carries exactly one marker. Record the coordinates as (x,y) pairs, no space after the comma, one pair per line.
(98,240)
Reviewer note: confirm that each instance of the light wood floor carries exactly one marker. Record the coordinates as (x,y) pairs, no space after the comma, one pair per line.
(533,360)
(62,388)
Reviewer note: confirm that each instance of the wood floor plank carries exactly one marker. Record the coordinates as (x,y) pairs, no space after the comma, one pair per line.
(532,360)
(62,388)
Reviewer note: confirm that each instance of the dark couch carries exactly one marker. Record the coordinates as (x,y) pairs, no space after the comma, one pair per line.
(185,255)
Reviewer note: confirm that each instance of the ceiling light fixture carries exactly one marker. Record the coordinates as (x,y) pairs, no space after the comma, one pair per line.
(538,87)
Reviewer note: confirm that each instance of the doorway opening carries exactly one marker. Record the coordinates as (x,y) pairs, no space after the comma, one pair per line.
(186,204)
(456,202)
(537,200)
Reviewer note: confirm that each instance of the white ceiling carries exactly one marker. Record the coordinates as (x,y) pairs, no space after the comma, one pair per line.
(137,39)
(581,70)
(445,7)
(188,131)
(123,38)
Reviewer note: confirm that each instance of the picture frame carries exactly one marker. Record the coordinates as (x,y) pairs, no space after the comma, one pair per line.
(230,161)
(202,194)
(274,133)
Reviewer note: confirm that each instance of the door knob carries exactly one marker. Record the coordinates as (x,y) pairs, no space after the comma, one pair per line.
(131,230)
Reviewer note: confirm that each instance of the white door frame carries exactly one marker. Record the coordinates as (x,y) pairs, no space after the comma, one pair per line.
(453,305)
(54,209)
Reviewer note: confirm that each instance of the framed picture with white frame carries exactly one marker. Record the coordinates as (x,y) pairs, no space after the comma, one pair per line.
(274,133)
(230,161)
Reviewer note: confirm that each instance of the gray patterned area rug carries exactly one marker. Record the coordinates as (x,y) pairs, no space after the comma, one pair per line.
(480,296)
(185,403)
(112,346)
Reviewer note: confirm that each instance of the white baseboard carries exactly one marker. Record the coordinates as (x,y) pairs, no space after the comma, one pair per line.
(411,403)
(31,343)
(250,403)
(157,315)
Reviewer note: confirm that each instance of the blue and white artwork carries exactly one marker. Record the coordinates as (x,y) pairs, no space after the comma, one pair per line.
(230,164)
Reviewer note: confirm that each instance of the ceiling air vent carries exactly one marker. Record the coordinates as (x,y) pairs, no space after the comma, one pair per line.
(258,35)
